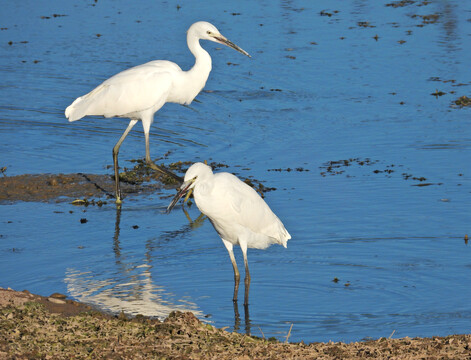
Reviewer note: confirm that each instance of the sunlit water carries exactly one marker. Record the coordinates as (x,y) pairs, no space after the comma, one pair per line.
(319,88)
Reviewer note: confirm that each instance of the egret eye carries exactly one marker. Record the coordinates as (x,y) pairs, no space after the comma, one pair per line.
(208,32)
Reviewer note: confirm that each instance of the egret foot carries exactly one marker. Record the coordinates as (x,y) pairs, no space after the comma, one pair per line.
(163,171)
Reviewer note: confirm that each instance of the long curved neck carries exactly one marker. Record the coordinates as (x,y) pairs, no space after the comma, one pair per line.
(203,65)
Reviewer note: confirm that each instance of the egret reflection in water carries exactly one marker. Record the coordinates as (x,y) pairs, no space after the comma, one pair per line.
(130,289)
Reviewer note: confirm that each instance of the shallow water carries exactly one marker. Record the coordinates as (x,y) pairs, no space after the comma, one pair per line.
(319,89)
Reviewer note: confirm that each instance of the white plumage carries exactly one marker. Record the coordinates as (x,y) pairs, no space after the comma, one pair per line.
(239,215)
(139,92)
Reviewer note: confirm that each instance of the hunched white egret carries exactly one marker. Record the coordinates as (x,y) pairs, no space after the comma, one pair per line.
(239,215)
(139,92)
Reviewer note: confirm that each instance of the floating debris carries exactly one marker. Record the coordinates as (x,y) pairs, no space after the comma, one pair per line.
(426,184)
(365,24)
(438,93)
(402,3)
(463,101)
(53,15)
(86,202)
(328,13)
(406,176)
(299,169)
(335,167)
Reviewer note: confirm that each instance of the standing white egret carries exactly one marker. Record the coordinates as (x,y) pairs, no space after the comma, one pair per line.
(139,92)
(239,215)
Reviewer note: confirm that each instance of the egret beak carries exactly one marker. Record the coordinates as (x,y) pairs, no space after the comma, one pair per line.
(222,40)
(183,190)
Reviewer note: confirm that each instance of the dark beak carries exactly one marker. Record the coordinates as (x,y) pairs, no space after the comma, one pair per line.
(183,190)
(225,41)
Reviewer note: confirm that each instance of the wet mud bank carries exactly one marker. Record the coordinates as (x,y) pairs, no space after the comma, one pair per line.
(96,188)
(33,326)
(66,187)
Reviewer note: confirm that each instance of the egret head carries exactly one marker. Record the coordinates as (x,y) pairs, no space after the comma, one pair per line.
(196,173)
(206,31)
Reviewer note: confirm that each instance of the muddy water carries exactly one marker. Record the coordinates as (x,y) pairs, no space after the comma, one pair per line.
(326,84)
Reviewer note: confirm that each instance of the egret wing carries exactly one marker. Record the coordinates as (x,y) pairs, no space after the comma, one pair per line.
(128,92)
(251,211)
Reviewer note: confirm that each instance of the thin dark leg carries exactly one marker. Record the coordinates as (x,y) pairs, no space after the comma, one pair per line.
(247,274)
(236,277)
(247,282)
(115,160)
(230,250)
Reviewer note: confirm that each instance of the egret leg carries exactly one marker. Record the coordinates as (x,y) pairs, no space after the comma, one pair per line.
(115,160)
(243,246)
(229,248)
(150,163)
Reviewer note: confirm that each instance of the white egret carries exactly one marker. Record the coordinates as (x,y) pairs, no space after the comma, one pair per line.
(239,215)
(139,92)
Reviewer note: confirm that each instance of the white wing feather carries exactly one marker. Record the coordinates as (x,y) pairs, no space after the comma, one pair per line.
(128,92)
(242,205)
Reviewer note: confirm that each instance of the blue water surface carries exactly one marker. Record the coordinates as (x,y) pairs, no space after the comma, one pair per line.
(335,110)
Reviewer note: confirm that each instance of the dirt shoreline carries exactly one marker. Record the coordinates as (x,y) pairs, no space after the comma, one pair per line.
(33,326)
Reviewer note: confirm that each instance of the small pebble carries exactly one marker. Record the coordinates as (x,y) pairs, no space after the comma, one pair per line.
(56,301)
(58,296)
